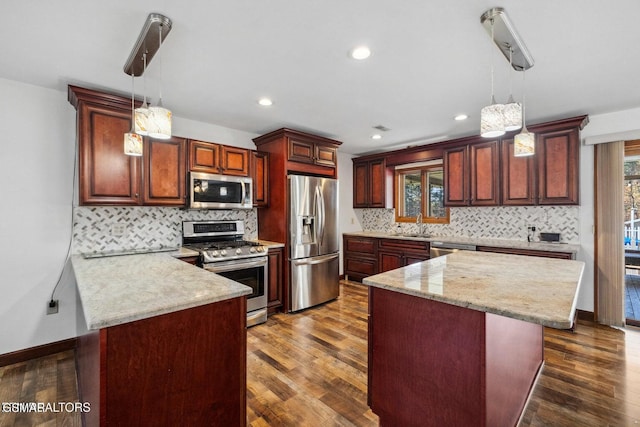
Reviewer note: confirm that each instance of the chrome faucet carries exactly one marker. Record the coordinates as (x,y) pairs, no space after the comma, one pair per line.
(419,222)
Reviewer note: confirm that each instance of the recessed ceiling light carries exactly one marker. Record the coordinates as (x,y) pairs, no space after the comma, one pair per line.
(265,102)
(376,136)
(360,52)
(460,117)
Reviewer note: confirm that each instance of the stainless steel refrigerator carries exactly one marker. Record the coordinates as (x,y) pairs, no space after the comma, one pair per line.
(313,239)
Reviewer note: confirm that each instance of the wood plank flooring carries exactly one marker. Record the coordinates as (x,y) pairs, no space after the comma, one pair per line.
(309,369)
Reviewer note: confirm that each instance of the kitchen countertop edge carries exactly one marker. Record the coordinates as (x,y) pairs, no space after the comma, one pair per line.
(113,289)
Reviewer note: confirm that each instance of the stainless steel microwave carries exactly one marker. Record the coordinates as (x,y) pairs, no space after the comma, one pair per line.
(212,191)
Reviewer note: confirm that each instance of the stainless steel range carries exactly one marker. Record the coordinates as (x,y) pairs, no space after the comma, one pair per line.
(223,251)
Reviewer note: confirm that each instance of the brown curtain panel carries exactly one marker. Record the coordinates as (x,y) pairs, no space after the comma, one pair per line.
(610,233)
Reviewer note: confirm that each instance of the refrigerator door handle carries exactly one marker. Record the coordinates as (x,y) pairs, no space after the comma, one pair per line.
(315,260)
(321,213)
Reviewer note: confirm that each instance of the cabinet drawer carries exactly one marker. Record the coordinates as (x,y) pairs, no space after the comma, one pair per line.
(404,245)
(359,266)
(367,246)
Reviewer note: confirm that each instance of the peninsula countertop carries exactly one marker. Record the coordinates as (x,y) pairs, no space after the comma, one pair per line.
(121,289)
(534,289)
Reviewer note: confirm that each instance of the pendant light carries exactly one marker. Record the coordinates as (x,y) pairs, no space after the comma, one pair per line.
(524,144)
(491,116)
(512,110)
(142,113)
(132,141)
(159,117)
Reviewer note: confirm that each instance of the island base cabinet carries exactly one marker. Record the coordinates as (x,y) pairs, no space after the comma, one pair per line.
(435,364)
(181,368)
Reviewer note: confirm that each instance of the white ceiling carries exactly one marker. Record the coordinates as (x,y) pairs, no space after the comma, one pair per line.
(430,60)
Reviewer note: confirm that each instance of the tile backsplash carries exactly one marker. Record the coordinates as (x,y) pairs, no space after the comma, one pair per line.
(144,227)
(500,222)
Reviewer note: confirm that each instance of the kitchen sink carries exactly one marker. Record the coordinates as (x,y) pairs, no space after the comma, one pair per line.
(415,235)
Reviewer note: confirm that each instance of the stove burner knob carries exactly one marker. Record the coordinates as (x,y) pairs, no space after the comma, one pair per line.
(260,248)
(223,252)
(252,250)
(238,251)
(215,253)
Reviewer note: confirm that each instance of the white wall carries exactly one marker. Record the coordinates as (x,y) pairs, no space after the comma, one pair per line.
(36,177)
(38,127)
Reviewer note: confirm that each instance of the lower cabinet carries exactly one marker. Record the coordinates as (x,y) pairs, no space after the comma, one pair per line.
(396,253)
(360,257)
(276,279)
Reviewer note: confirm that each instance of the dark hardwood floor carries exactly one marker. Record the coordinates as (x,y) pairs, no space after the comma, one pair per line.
(309,369)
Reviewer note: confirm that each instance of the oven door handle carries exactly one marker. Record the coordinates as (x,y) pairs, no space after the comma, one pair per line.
(235,265)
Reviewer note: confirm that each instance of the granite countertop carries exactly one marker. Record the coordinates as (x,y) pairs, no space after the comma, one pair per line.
(268,244)
(497,243)
(121,289)
(534,289)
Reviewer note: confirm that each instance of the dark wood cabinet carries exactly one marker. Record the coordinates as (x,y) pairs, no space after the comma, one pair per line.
(456,183)
(360,257)
(484,173)
(182,368)
(312,152)
(471,174)
(558,156)
(164,172)
(260,175)
(372,184)
(276,282)
(518,177)
(551,176)
(396,253)
(216,158)
(107,176)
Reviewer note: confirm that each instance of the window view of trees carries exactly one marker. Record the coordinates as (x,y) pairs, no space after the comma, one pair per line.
(421,192)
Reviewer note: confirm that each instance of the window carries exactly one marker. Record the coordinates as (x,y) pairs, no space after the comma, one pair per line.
(420,190)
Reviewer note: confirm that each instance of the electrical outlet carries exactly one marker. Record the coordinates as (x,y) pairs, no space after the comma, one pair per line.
(52,306)
(118,230)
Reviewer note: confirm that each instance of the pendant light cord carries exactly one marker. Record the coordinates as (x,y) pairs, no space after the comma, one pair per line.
(133,106)
(524,103)
(144,79)
(160,60)
(492,41)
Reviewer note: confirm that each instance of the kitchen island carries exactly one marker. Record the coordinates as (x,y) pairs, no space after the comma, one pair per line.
(160,342)
(458,340)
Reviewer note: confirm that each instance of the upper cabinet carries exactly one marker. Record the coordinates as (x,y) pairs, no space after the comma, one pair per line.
(109,177)
(471,174)
(300,152)
(370,181)
(551,176)
(220,159)
(260,175)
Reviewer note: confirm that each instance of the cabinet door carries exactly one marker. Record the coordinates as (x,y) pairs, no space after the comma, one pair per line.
(377,184)
(558,167)
(234,161)
(518,177)
(275,285)
(260,175)
(107,175)
(326,156)
(389,261)
(361,185)
(301,151)
(485,189)
(456,187)
(413,258)
(204,157)
(164,172)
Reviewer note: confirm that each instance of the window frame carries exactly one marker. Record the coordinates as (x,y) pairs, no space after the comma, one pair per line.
(424,170)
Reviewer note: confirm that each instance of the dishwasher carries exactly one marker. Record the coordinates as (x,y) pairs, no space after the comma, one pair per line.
(444,248)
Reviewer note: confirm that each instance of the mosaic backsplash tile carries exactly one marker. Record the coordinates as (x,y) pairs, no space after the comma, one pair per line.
(144,227)
(500,222)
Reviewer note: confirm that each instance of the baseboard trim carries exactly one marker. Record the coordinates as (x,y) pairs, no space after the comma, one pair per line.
(38,351)
(586,315)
